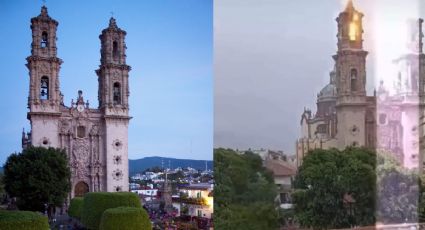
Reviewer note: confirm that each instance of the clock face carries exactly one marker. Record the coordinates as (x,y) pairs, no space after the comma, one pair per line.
(80,108)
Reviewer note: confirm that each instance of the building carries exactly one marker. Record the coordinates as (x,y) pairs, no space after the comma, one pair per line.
(95,139)
(283,174)
(197,200)
(347,116)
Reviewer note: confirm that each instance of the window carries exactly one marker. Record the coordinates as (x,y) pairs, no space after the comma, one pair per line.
(199,213)
(115,50)
(44,88)
(117,93)
(284,198)
(382,119)
(353,76)
(322,128)
(81,131)
(414,82)
(44,36)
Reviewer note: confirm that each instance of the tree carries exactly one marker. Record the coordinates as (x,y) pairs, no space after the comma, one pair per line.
(244,192)
(36,177)
(336,189)
(400,192)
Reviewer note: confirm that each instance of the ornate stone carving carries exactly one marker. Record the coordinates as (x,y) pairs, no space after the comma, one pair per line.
(64,127)
(94,131)
(354,130)
(118,188)
(117,174)
(97,167)
(77,128)
(45,142)
(80,149)
(117,159)
(117,144)
(80,155)
(44,69)
(116,76)
(95,151)
(79,169)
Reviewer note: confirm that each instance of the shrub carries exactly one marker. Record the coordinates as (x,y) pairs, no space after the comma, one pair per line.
(75,207)
(95,203)
(23,220)
(126,218)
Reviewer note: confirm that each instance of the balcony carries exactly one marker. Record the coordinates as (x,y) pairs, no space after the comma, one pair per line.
(192,200)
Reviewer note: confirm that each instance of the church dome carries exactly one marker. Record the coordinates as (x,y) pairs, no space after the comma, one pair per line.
(327,93)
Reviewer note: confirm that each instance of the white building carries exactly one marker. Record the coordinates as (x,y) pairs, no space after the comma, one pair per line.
(198,200)
(347,116)
(283,174)
(95,139)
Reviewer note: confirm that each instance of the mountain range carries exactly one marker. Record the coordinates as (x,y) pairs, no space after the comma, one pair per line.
(139,165)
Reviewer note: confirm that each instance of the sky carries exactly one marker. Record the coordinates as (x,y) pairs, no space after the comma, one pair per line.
(169,49)
(272,57)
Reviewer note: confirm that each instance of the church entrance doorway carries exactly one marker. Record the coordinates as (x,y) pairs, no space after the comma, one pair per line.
(81,188)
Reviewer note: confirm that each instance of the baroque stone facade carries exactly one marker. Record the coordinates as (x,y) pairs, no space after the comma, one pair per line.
(95,139)
(347,116)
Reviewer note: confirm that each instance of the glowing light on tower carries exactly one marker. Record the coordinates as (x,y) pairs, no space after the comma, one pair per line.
(353,31)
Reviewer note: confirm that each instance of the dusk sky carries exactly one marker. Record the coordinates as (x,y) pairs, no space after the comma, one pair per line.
(272,57)
(170,52)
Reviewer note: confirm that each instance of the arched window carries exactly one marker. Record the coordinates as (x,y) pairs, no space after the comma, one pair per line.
(43,39)
(353,76)
(44,88)
(115,50)
(117,93)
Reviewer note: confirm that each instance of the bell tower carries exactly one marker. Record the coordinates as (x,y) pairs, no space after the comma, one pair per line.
(350,66)
(44,98)
(44,65)
(113,103)
(113,70)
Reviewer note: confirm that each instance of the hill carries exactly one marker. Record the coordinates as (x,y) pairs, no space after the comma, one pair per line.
(140,165)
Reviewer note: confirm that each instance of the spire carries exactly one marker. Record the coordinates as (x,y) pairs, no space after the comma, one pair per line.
(112,23)
(44,16)
(350,6)
(43,12)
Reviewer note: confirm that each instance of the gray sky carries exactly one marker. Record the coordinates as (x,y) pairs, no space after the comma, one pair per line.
(271,58)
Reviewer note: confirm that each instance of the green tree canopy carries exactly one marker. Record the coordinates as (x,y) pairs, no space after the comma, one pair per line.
(399,192)
(37,176)
(244,192)
(336,189)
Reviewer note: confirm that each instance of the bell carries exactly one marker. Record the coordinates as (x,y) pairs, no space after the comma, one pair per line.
(43,93)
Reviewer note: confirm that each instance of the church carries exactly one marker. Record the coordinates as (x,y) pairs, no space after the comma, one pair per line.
(95,139)
(347,116)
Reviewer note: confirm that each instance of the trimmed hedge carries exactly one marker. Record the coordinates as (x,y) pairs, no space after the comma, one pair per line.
(95,203)
(75,207)
(23,220)
(125,218)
